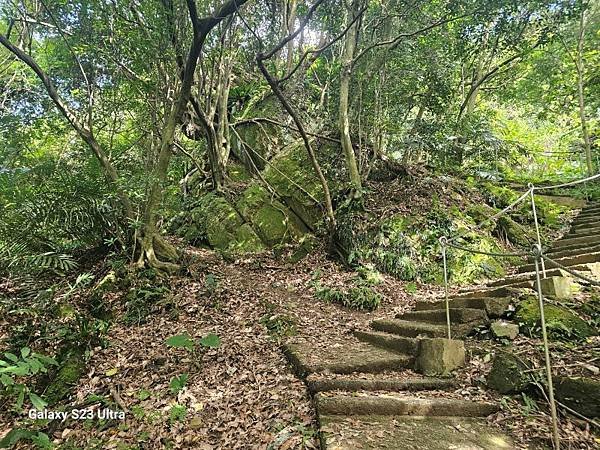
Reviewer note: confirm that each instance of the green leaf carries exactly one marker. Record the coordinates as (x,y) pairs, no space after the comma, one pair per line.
(181,341)
(37,401)
(11,356)
(6,380)
(14,436)
(21,397)
(211,340)
(25,351)
(42,441)
(178,383)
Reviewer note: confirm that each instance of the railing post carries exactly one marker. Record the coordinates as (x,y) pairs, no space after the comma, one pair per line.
(443,241)
(537,251)
(537,225)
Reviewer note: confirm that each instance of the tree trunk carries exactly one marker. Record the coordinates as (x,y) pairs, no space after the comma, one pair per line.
(290,20)
(581,96)
(345,78)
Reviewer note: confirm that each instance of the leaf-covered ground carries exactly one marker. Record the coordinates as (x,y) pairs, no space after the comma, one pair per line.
(244,394)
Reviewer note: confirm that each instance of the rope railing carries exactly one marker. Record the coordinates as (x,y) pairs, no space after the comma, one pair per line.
(570,183)
(540,273)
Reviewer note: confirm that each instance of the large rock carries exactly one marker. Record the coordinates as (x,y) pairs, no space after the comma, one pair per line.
(274,222)
(508,374)
(556,287)
(504,330)
(561,323)
(440,356)
(580,394)
(217,222)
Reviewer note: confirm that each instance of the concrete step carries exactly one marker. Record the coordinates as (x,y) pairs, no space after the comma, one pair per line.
(586,218)
(353,383)
(482,291)
(575,226)
(410,433)
(584,247)
(344,358)
(583,232)
(408,329)
(567,242)
(400,405)
(493,306)
(588,211)
(401,344)
(527,279)
(421,329)
(457,315)
(572,252)
(566,261)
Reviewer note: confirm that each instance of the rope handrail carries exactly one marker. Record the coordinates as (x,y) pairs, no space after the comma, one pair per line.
(571,271)
(445,242)
(540,259)
(495,216)
(570,183)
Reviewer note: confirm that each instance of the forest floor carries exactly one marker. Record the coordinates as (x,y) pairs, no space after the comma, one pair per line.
(244,393)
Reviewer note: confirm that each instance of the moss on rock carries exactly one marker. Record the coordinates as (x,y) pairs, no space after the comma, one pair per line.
(220,225)
(273,222)
(508,374)
(561,323)
(71,369)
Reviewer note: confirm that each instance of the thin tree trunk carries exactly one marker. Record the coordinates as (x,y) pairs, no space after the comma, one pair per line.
(290,19)
(345,78)
(84,132)
(311,154)
(580,94)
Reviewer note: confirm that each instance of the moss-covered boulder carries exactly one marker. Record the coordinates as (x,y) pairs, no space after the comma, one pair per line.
(273,222)
(291,174)
(561,322)
(508,374)
(580,394)
(217,222)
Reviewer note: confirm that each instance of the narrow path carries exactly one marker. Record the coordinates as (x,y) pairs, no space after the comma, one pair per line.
(367,392)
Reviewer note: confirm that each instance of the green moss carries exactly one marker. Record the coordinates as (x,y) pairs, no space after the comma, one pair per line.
(273,222)
(561,323)
(291,174)
(237,172)
(71,369)
(359,297)
(219,224)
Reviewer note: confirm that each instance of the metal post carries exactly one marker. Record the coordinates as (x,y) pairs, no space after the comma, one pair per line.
(538,257)
(537,225)
(443,243)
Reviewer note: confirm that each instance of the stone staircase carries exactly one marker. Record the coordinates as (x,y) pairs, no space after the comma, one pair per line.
(367,392)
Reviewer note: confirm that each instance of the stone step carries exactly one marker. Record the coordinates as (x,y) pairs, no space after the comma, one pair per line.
(400,405)
(582,226)
(401,344)
(415,329)
(409,433)
(485,292)
(588,211)
(586,219)
(583,232)
(457,315)
(585,246)
(567,261)
(572,251)
(344,358)
(567,242)
(527,279)
(493,306)
(408,329)
(320,383)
